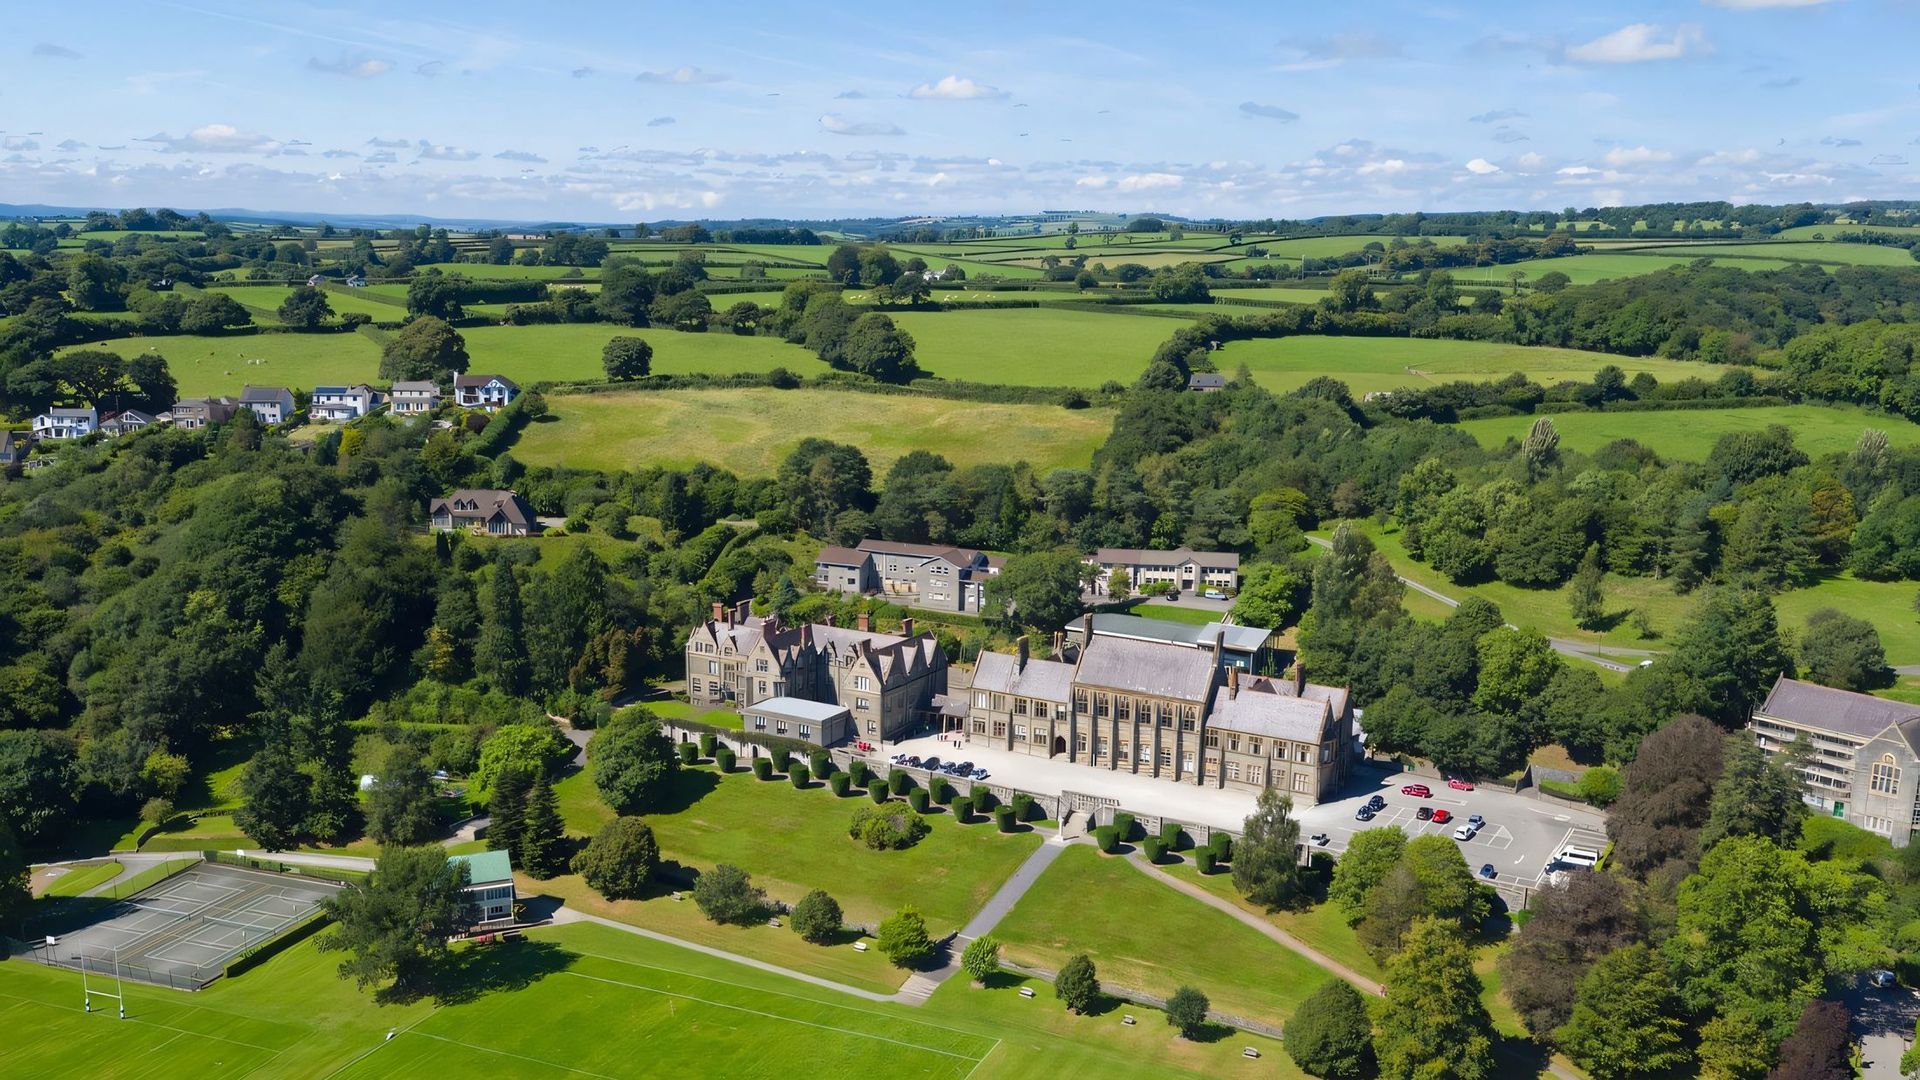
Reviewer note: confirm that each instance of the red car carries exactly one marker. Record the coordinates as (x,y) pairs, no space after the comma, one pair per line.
(1418,791)
(1459,785)
(1441,817)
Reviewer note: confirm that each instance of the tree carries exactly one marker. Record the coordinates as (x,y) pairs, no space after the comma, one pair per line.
(1758,795)
(507,809)
(534,748)
(403,807)
(875,347)
(1584,597)
(500,656)
(1625,1022)
(981,959)
(1330,1035)
(632,761)
(37,782)
(1266,597)
(621,859)
(542,837)
(1573,924)
(1843,651)
(437,295)
(305,307)
(1431,881)
(726,894)
(627,358)
(1734,1048)
(1266,866)
(1370,855)
(1040,590)
(1665,798)
(1729,650)
(425,349)
(1077,984)
(395,924)
(1187,1011)
(15,898)
(817,918)
(843,264)
(1820,1048)
(626,293)
(275,797)
(903,937)
(212,312)
(1432,1023)
(1515,668)
(685,310)
(1119,584)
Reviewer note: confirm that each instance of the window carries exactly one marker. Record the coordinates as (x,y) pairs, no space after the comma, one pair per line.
(1233,770)
(979,727)
(1213,740)
(870,728)
(1039,734)
(981,699)
(862,704)
(1253,747)
(763,688)
(1166,757)
(713,667)
(1886,776)
(1303,753)
(1233,741)
(1080,701)
(779,727)
(1301,783)
(1019,706)
(861,682)
(759,723)
(693,688)
(1253,774)
(999,729)
(1186,762)
(760,664)
(1102,705)
(1080,742)
(1020,732)
(1123,708)
(806,731)
(1326,753)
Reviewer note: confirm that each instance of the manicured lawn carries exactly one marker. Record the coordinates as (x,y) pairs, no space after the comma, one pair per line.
(1370,364)
(79,879)
(572,351)
(1146,936)
(751,430)
(1323,926)
(1173,613)
(1690,435)
(680,710)
(218,365)
(1049,346)
(793,841)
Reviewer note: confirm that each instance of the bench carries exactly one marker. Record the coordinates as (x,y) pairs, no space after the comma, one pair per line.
(1026,991)
(775,923)
(1249,1052)
(1127,1019)
(859,946)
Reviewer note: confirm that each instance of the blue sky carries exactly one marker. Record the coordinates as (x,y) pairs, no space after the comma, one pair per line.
(623,112)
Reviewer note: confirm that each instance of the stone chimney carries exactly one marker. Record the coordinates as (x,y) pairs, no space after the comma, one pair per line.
(742,610)
(1219,647)
(719,611)
(1299,679)
(1086,629)
(1233,683)
(864,622)
(1022,645)
(1059,652)
(906,626)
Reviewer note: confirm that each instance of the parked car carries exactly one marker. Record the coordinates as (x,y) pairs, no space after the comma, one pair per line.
(1365,813)
(1476,820)
(1441,817)
(1425,813)
(912,762)
(1882,978)
(1378,802)
(1465,832)
(1321,839)
(898,758)
(1458,784)
(1215,594)
(1418,791)
(1487,871)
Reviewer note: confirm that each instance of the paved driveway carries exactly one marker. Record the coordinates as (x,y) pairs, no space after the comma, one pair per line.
(1883,1022)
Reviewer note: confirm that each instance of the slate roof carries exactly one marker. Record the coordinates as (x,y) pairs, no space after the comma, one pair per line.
(1823,707)
(415,386)
(482,380)
(1223,560)
(265,395)
(481,503)
(60,410)
(1146,667)
(1209,381)
(1238,638)
(1000,673)
(1267,707)
(840,556)
(958,556)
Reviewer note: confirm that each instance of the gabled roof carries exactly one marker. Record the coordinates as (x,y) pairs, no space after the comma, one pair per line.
(1146,667)
(265,395)
(958,556)
(485,867)
(416,386)
(1221,560)
(1823,707)
(1212,381)
(1267,707)
(1238,638)
(484,503)
(356,390)
(6,440)
(1000,673)
(130,416)
(840,556)
(471,381)
(60,410)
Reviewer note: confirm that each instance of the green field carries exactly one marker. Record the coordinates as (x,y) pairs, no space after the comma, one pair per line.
(1035,346)
(218,365)
(750,431)
(1815,232)
(1587,269)
(1143,935)
(268,298)
(1690,435)
(572,351)
(79,879)
(1370,364)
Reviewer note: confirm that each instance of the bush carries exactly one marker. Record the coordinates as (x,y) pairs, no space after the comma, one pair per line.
(877,791)
(1077,984)
(1187,1010)
(726,894)
(1601,785)
(1124,825)
(620,859)
(1330,1034)
(707,742)
(1221,845)
(981,959)
(899,781)
(1174,836)
(689,753)
(156,811)
(799,774)
(1024,807)
(887,828)
(918,800)
(858,772)
(816,918)
(1003,818)
(1204,860)
(820,764)
(762,769)
(941,790)
(1154,847)
(963,809)
(781,759)
(983,800)
(1108,838)
(903,937)
(723,757)
(837,783)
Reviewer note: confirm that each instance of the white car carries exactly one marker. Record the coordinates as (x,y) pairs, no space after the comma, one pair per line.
(1215,594)
(1465,832)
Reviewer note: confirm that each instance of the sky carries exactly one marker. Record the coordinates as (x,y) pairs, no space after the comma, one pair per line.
(620,112)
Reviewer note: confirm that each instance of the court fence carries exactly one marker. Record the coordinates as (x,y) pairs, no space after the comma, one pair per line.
(318,873)
(248,959)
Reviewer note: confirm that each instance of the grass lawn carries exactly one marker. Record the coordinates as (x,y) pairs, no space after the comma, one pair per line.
(79,879)
(1057,345)
(680,710)
(218,365)
(1369,364)
(1323,926)
(793,841)
(751,430)
(1589,268)
(1145,936)
(1173,613)
(572,351)
(265,300)
(541,1008)
(1690,435)
(1829,251)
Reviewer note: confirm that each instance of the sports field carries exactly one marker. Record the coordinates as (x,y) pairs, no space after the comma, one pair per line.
(1050,346)
(1370,364)
(1690,435)
(750,431)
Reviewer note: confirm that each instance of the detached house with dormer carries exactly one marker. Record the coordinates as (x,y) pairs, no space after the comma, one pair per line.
(488,392)
(483,510)
(63,423)
(125,422)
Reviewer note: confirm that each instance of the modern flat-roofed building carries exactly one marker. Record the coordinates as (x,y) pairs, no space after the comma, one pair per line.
(1182,567)
(1864,764)
(64,423)
(814,722)
(489,892)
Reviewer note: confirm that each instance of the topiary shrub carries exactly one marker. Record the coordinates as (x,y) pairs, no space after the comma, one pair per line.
(1108,838)
(942,791)
(838,783)
(762,769)
(899,781)
(918,800)
(858,772)
(707,743)
(984,800)
(887,828)
(781,759)
(1024,807)
(820,764)
(1154,847)
(723,758)
(1174,836)
(799,774)
(878,791)
(962,809)
(689,753)
(1222,847)
(1204,860)
(1124,825)
(1003,818)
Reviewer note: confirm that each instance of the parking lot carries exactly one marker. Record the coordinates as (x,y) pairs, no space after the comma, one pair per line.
(1520,838)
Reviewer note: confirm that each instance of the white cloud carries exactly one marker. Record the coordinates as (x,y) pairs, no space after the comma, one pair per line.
(1386,167)
(432,152)
(851,95)
(685,76)
(1730,157)
(1640,42)
(1270,112)
(1579,170)
(70,145)
(341,154)
(661,121)
(365,67)
(1494,116)
(19,142)
(1482,167)
(1153,181)
(520,155)
(1637,155)
(1091,182)
(835,124)
(956,88)
(214,139)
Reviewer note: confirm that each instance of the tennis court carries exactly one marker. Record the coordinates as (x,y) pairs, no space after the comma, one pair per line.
(184,930)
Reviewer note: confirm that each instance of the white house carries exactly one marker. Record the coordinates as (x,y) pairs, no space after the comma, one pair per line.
(125,422)
(411,398)
(489,392)
(489,892)
(61,423)
(343,402)
(272,404)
